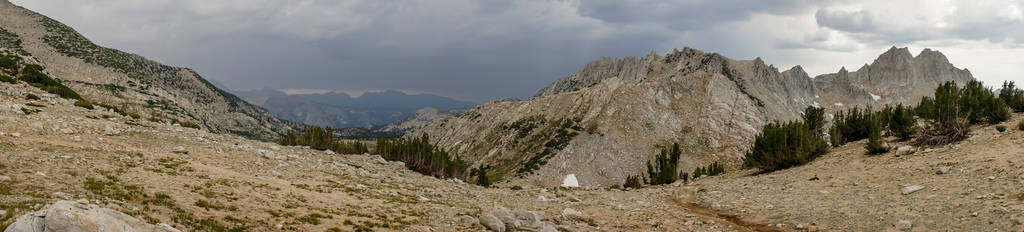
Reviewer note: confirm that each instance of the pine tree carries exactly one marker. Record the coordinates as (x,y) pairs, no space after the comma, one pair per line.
(902,123)
(1013,96)
(875,145)
(665,172)
(814,118)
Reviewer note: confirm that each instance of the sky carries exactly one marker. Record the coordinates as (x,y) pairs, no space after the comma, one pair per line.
(484,50)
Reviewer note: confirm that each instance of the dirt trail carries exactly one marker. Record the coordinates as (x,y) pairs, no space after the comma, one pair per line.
(691,205)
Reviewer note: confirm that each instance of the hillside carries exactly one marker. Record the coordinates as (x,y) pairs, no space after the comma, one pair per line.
(131,82)
(606,121)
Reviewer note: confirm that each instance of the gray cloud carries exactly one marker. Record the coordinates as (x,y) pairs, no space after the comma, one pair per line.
(481,50)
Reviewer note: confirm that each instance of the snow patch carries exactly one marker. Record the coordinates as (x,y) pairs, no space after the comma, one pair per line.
(876,97)
(570,181)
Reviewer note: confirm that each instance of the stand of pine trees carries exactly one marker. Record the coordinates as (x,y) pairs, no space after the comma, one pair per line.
(712,169)
(1013,96)
(322,139)
(421,156)
(875,145)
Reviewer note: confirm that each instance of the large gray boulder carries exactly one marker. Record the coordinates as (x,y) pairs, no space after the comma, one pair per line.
(70,216)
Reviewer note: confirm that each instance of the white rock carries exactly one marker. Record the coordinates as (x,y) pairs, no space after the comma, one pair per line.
(911,189)
(942,170)
(570,181)
(15,134)
(905,150)
(903,225)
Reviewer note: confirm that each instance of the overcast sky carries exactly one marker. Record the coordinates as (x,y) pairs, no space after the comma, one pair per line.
(483,50)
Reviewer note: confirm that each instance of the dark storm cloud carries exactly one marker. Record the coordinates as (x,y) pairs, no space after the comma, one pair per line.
(482,50)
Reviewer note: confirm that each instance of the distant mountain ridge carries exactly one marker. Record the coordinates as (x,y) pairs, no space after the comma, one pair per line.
(384,110)
(607,120)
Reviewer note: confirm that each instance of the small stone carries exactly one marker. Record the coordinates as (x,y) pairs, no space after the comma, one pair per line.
(903,225)
(911,189)
(942,170)
(812,229)
(542,198)
(41,174)
(715,205)
(275,173)
(76,139)
(990,177)
(3,213)
(179,150)
(15,134)
(329,152)
(5,178)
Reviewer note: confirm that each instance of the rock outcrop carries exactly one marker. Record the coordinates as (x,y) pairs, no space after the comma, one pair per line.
(606,121)
(75,216)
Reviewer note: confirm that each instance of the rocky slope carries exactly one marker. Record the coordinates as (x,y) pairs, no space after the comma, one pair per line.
(129,81)
(194,180)
(606,121)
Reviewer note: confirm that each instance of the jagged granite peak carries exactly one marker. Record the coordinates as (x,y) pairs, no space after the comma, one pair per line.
(132,82)
(896,76)
(605,122)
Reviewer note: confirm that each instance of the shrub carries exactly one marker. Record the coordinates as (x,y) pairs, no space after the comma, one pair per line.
(781,146)
(5,78)
(1020,125)
(189,124)
(1012,96)
(8,63)
(664,171)
(875,145)
(516,187)
(32,97)
(635,181)
(34,76)
(84,104)
(902,123)
(421,156)
(1001,128)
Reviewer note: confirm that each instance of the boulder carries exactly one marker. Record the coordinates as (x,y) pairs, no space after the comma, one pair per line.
(492,223)
(905,150)
(572,214)
(75,216)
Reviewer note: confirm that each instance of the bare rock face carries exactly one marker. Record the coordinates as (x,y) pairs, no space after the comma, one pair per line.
(606,121)
(73,217)
(894,77)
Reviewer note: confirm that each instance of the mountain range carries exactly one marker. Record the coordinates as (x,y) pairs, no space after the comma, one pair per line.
(606,121)
(381,111)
